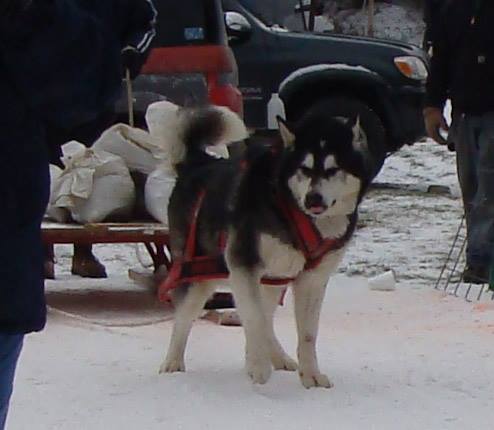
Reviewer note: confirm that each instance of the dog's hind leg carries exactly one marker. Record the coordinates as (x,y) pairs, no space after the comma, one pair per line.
(188,308)
(247,294)
(271,297)
(308,296)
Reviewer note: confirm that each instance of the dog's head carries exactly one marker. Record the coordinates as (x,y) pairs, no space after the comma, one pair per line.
(324,166)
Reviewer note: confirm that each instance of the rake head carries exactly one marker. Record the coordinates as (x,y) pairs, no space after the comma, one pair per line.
(452,276)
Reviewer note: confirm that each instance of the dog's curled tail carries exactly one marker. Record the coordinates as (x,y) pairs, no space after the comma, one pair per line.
(203,127)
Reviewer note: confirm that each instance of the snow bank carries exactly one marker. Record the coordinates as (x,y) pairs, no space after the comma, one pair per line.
(390,22)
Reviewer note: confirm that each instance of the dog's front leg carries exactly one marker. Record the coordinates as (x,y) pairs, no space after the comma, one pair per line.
(308,294)
(271,297)
(246,290)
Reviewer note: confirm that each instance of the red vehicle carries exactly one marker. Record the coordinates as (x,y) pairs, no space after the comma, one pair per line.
(190,63)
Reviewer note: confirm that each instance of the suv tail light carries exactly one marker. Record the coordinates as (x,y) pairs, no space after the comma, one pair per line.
(223,91)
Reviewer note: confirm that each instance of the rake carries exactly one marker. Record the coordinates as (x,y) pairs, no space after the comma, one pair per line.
(450,278)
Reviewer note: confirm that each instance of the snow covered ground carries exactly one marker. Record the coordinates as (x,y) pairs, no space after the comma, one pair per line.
(410,359)
(408,232)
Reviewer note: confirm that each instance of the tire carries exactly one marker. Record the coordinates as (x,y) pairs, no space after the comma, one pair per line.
(370,123)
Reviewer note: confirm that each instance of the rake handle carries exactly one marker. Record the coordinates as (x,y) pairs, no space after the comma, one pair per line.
(130,97)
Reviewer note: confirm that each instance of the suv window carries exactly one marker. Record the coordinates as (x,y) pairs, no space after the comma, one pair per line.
(273,12)
(189,22)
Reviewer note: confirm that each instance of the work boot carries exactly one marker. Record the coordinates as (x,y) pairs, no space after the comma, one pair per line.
(221,300)
(475,275)
(85,263)
(49,268)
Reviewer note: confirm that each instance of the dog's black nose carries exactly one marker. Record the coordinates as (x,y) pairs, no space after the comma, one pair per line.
(314,200)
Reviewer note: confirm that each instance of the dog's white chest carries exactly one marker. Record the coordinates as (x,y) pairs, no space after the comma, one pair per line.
(279,259)
(332,227)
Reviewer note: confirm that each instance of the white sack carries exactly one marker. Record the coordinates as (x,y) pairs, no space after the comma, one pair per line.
(157,192)
(54,212)
(140,151)
(94,186)
(163,121)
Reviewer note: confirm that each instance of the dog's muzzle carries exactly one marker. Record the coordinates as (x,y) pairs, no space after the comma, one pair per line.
(314,203)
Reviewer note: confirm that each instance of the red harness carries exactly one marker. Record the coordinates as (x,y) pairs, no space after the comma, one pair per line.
(195,268)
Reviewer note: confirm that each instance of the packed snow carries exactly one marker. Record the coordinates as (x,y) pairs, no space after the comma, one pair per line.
(412,358)
(390,22)
(401,21)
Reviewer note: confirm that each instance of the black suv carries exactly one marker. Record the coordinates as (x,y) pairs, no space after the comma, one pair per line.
(382,81)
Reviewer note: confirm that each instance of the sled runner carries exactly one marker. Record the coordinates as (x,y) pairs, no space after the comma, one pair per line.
(154,236)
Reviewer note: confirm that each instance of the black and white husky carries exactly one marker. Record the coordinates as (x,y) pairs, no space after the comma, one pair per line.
(319,170)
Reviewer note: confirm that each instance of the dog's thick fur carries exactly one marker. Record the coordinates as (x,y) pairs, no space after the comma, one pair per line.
(322,167)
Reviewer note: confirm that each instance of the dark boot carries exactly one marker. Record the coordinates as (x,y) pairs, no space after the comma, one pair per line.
(49,269)
(220,301)
(85,263)
(475,275)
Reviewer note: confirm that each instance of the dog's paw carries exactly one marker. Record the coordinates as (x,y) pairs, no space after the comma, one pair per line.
(171,366)
(284,362)
(315,379)
(259,371)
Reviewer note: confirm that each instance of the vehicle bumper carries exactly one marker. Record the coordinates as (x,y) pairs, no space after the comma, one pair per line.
(407,121)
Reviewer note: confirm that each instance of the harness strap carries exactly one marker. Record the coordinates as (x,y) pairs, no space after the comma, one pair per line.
(306,235)
(175,276)
(308,238)
(193,268)
(190,246)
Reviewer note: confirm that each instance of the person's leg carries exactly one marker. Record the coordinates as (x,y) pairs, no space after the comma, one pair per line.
(10,348)
(481,235)
(467,154)
(466,131)
(85,263)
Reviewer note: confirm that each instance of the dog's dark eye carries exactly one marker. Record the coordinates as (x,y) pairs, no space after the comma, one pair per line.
(331,172)
(306,171)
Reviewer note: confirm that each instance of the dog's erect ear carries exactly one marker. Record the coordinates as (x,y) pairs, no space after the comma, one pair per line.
(359,140)
(355,128)
(286,135)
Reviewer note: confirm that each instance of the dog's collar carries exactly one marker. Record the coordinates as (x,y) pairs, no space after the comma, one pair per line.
(306,235)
